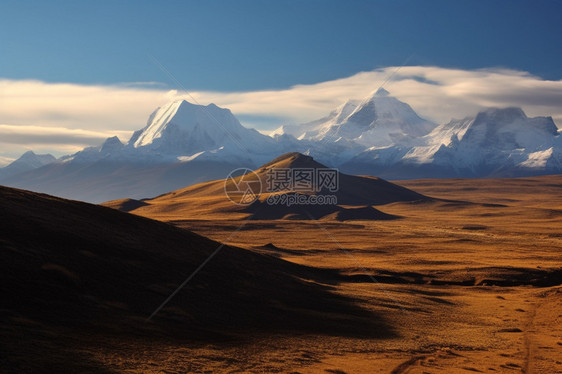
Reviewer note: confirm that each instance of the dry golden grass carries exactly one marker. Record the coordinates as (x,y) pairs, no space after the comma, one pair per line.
(469,286)
(467,282)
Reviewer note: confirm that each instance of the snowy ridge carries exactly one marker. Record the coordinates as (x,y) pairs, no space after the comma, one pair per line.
(184,127)
(28,161)
(494,142)
(184,143)
(379,120)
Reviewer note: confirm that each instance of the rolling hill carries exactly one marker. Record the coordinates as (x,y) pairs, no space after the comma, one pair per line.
(353,199)
(76,277)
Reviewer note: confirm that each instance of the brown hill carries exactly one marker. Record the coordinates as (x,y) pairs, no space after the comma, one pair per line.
(126,205)
(75,276)
(209,201)
(352,189)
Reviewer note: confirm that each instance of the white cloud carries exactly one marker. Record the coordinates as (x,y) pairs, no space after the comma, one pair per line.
(5,161)
(64,117)
(29,135)
(16,139)
(77,106)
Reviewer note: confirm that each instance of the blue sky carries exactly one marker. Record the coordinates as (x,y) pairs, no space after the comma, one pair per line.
(250,45)
(75,72)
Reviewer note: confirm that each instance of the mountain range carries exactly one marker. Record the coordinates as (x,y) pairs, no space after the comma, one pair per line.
(184,143)
(28,161)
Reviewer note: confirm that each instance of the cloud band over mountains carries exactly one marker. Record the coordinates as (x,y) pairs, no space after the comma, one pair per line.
(63,118)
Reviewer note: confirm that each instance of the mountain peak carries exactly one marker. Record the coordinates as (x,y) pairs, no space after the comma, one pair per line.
(293,160)
(378,120)
(500,117)
(183,115)
(111,144)
(28,161)
(31,156)
(381,92)
(377,95)
(112,140)
(509,114)
(180,102)
(181,128)
(28,154)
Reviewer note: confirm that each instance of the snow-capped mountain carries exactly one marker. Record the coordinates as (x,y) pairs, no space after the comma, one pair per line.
(498,139)
(182,128)
(496,142)
(181,144)
(184,143)
(111,148)
(181,131)
(28,161)
(315,129)
(379,120)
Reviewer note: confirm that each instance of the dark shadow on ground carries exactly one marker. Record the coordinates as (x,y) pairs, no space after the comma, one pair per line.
(71,269)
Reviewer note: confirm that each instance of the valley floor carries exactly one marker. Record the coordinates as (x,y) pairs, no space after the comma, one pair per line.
(469,286)
(470,283)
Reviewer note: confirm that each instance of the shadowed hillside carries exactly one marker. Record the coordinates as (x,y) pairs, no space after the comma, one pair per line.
(72,270)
